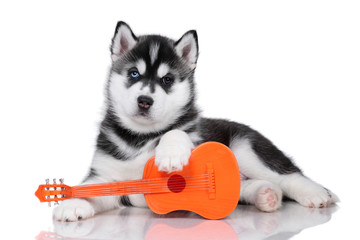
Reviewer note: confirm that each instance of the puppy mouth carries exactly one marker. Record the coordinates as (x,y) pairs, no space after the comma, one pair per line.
(143,115)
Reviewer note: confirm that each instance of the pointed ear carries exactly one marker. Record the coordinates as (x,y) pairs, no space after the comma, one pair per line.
(187,47)
(123,40)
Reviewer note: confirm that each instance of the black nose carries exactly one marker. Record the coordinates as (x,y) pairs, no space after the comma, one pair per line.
(145,102)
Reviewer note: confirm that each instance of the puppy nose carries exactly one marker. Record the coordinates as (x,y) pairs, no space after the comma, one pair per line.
(145,102)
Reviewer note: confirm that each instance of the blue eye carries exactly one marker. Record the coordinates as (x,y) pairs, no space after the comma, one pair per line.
(134,74)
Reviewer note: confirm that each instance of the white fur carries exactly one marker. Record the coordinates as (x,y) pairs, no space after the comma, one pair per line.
(73,210)
(173,151)
(121,144)
(141,66)
(110,169)
(249,163)
(117,170)
(154,50)
(296,186)
(163,70)
(305,191)
(164,111)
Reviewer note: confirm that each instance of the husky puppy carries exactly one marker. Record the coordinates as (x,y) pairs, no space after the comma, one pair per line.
(151,110)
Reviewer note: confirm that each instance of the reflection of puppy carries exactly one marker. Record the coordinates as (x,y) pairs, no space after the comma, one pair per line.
(151,110)
(244,223)
(290,220)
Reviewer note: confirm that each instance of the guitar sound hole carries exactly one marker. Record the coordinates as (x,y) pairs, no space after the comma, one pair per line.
(176,183)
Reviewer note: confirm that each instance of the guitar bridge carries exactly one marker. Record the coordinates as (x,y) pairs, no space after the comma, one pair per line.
(210,171)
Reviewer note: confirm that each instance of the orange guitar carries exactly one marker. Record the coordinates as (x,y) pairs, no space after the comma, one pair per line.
(209,185)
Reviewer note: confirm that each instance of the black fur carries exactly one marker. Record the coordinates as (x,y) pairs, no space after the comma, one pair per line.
(224,131)
(125,201)
(134,139)
(107,146)
(113,123)
(166,54)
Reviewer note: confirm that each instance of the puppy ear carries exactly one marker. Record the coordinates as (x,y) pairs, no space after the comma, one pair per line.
(123,40)
(187,47)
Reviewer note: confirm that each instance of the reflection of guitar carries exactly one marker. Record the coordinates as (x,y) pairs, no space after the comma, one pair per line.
(209,185)
(51,236)
(164,229)
(206,230)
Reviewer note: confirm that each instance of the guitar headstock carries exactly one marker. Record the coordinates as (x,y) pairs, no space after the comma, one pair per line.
(53,192)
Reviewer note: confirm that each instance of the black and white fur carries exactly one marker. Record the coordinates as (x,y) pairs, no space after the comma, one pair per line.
(151,110)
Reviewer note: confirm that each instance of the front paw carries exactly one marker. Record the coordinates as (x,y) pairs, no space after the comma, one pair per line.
(173,151)
(172,158)
(73,210)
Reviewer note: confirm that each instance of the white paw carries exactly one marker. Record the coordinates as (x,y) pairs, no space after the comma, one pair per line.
(171,158)
(173,151)
(73,210)
(268,199)
(316,197)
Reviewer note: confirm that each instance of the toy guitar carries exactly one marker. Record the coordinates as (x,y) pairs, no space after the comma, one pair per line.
(209,185)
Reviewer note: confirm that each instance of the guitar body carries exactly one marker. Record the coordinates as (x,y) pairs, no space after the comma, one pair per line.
(209,185)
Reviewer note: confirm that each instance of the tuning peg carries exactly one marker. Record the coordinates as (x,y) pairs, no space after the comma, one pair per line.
(47,183)
(61,180)
(56,203)
(54,180)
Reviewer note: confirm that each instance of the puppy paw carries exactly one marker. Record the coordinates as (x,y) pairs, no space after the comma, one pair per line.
(316,196)
(173,151)
(172,158)
(268,199)
(73,210)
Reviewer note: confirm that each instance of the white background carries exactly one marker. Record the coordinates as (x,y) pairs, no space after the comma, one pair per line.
(289,69)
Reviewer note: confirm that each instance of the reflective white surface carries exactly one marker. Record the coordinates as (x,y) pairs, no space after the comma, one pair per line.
(246,222)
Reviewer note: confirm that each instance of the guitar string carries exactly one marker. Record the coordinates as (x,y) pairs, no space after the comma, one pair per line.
(138,181)
(132,183)
(153,188)
(144,189)
(176,186)
(135,181)
(132,193)
(158,186)
(139,192)
(143,184)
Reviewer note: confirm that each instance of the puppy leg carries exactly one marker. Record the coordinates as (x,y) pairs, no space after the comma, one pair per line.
(173,151)
(265,195)
(294,185)
(306,192)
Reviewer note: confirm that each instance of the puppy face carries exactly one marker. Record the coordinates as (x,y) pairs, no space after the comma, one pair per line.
(151,80)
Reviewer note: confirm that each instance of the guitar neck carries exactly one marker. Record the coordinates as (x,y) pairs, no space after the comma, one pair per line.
(142,186)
